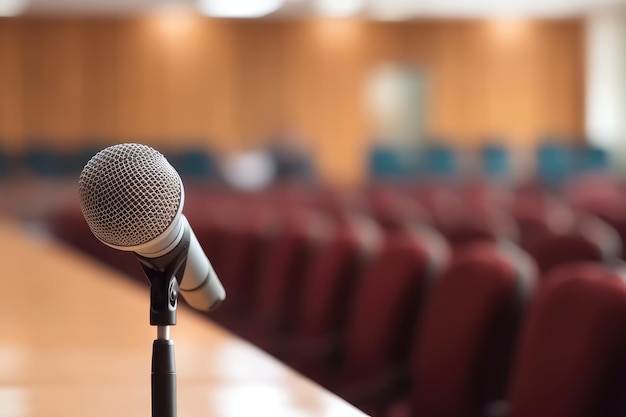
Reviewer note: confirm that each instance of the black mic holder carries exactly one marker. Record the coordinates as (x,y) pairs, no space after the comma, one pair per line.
(164,274)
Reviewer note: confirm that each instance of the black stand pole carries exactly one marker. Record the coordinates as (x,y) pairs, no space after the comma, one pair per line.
(163,375)
(162,273)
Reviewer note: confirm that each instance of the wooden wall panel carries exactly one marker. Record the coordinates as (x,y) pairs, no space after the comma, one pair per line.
(100,116)
(12,97)
(186,80)
(330,83)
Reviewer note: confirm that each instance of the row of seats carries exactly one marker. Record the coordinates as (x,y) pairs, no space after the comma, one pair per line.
(555,162)
(49,162)
(425,301)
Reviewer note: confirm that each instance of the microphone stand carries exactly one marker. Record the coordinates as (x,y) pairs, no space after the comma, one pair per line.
(163,374)
(162,273)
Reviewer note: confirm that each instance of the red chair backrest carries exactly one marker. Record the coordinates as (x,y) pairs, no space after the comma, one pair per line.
(461,224)
(244,250)
(284,270)
(465,343)
(388,303)
(330,285)
(394,211)
(591,240)
(539,217)
(572,359)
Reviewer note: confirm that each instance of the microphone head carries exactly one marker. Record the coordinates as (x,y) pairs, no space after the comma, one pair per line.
(129,194)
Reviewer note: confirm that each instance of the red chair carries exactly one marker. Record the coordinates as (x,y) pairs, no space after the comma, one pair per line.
(572,359)
(245,249)
(329,289)
(386,310)
(342,204)
(485,194)
(279,289)
(475,195)
(594,193)
(394,211)
(603,197)
(539,217)
(465,344)
(434,196)
(612,209)
(461,224)
(617,219)
(591,240)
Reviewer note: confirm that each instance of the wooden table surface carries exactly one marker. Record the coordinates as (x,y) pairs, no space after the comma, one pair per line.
(75,341)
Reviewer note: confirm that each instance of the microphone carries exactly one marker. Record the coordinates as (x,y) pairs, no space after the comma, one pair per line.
(132,200)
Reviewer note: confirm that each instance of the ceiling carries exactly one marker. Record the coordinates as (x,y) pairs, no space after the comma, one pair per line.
(377,9)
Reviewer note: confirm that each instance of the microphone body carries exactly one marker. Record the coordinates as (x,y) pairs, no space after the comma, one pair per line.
(199,285)
(132,199)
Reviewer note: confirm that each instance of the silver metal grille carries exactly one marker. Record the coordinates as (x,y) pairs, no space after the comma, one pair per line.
(129,194)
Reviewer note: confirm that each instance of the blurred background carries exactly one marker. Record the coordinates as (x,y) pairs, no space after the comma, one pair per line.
(351,88)
(342,156)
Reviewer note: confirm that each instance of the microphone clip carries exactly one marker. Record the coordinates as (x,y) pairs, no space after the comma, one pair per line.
(165,274)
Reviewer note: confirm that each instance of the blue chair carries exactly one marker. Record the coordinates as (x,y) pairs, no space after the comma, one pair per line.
(554,163)
(439,161)
(388,163)
(495,161)
(591,158)
(45,161)
(5,164)
(292,165)
(194,163)
(81,156)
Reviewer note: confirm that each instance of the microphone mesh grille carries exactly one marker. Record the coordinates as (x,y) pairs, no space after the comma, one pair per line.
(129,194)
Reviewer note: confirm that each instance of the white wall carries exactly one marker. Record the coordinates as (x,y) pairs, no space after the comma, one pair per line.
(606,81)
